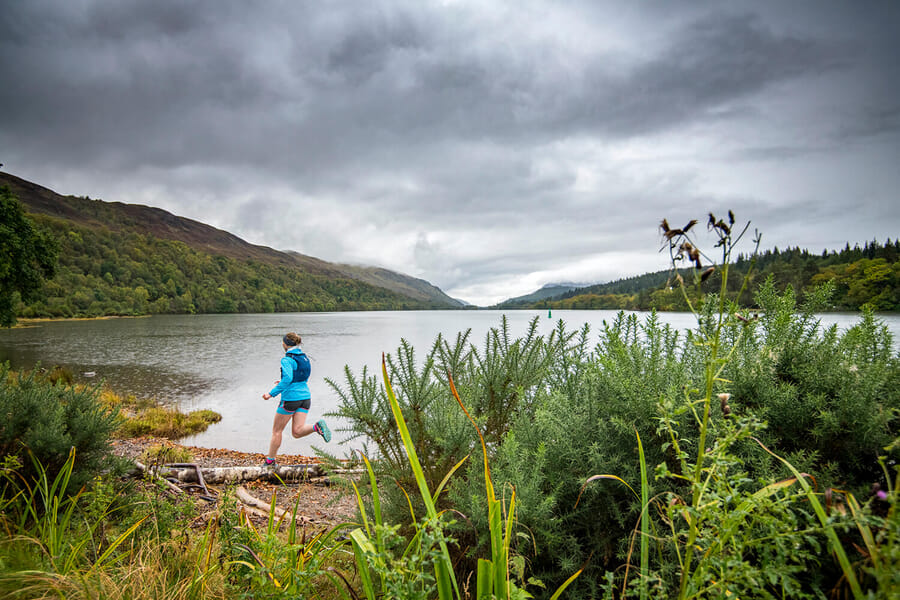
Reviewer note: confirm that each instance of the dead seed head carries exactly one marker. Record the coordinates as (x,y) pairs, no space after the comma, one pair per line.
(706,273)
(723,402)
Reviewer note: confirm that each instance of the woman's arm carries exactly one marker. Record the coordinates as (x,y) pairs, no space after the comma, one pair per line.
(287,375)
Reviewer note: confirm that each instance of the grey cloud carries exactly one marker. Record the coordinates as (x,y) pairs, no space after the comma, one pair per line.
(379,85)
(715,61)
(453,120)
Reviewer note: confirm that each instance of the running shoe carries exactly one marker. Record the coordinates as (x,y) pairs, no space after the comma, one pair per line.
(322,429)
(270,462)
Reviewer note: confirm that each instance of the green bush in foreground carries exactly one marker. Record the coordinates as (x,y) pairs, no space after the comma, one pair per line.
(47,420)
(709,405)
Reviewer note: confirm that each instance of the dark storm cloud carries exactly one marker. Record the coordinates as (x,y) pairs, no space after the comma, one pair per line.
(159,78)
(466,142)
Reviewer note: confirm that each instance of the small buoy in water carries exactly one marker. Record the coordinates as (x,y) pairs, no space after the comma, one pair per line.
(89,373)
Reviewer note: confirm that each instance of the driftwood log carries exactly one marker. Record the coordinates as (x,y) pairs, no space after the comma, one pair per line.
(192,473)
(216,475)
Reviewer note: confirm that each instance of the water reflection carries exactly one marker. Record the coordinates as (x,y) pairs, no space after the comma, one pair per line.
(226,362)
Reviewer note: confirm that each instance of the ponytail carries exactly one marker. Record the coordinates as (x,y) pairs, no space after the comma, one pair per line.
(291,339)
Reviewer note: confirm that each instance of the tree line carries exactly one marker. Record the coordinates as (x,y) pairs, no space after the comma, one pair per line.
(867,275)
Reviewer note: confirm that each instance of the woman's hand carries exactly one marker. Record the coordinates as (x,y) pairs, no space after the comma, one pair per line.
(266,396)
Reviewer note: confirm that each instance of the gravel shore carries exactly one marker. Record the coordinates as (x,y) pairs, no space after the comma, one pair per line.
(321,502)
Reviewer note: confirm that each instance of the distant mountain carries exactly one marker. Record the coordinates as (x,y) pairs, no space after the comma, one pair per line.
(397,282)
(551,290)
(109,224)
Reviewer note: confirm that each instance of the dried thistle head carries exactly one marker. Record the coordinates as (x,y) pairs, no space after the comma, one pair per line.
(723,403)
(684,248)
(690,224)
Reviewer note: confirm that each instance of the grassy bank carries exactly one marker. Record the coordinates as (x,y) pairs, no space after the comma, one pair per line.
(135,416)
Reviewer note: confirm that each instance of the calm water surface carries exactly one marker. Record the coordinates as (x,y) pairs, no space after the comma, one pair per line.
(226,362)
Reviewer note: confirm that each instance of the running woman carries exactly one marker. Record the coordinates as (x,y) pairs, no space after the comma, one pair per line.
(295,397)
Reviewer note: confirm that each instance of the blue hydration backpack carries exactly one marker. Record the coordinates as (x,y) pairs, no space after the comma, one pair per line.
(302,368)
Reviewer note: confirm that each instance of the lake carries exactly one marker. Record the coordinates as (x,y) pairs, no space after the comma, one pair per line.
(226,362)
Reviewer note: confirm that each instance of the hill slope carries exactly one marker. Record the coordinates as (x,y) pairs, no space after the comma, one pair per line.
(551,290)
(117,236)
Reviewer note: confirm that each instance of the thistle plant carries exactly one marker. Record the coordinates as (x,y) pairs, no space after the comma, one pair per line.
(727,536)
(708,464)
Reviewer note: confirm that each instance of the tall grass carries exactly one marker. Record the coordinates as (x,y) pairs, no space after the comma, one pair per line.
(99,543)
(47,547)
(492,577)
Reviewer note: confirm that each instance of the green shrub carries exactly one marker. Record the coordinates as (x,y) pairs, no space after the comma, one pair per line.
(830,399)
(47,420)
(706,404)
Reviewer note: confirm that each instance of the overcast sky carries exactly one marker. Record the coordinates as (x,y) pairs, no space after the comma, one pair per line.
(487,147)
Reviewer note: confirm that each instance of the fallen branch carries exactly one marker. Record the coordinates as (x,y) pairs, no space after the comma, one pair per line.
(260,508)
(142,468)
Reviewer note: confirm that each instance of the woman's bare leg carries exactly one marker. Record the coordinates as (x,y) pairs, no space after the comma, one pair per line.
(277,427)
(299,428)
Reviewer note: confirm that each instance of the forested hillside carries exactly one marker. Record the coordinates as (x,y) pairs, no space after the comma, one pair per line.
(867,274)
(121,259)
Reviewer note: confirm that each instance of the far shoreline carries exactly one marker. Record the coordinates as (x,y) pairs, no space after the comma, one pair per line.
(23,323)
